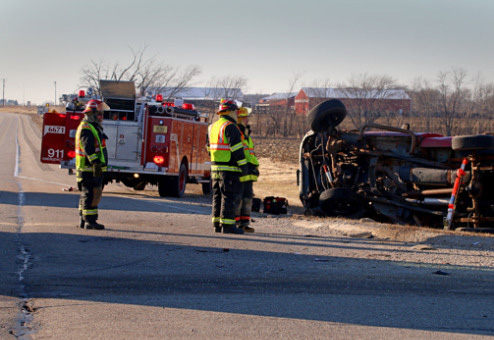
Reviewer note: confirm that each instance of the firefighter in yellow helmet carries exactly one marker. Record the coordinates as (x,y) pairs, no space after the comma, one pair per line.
(91,161)
(243,205)
(228,163)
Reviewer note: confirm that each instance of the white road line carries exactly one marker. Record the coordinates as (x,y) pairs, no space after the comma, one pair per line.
(42,180)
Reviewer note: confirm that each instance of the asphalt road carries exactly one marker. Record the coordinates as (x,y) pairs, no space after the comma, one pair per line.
(158,271)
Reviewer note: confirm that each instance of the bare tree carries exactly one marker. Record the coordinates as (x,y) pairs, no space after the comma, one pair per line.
(280,117)
(289,114)
(425,102)
(148,74)
(168,80)
(482,107)
(321,90)
(367,94)
(228,87)
(454,98)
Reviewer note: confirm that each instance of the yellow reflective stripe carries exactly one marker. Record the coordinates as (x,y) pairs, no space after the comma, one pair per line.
(215,219)
(219,147)
(242,162)
(90,212)
(237,146)
(90,169)
(227,221)
(92,157)
(224,168)
(248,178)
(221,136)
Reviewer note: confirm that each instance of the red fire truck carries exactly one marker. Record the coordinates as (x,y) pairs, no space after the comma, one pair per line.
(149,141)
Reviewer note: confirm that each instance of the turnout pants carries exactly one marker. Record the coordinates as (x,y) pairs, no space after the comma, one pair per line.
(91,191)
(243,205)
(226,186)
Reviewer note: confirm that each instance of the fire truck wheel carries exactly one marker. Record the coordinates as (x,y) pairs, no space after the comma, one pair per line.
(173,186)
(207,187)
(163,187)
(140,186)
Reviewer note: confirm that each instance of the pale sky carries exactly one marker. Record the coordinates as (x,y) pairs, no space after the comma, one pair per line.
(266,41)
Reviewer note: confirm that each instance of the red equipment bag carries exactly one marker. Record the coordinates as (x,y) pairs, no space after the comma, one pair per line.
(275,205)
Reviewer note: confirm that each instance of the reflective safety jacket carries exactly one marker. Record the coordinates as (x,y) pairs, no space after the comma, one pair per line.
(225,145)
(252,162)
(89,146)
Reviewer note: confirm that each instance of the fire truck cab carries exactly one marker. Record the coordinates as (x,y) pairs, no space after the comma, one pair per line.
(149,141)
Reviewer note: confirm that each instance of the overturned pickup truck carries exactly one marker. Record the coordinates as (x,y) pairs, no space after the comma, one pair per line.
(396,175)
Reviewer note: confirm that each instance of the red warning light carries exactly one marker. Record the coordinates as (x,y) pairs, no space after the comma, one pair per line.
(71,153)
(159,160)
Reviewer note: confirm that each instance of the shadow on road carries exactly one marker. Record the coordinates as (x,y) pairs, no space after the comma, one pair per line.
(141,203)
(312,287)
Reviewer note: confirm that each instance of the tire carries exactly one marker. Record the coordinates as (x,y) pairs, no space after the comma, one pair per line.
(476,142)
(207,187)
(140,186)
(178,183)
(163,187)
(326,115)
(173,186)
(341,202)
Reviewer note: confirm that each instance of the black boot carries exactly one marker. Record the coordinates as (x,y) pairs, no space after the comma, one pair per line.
(217,228)
(82,223)
(247,229)
(232,230)
(94,225)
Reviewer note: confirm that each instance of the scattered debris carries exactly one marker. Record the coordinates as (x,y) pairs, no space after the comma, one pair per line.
(423,247)
(440,273)
(362,235)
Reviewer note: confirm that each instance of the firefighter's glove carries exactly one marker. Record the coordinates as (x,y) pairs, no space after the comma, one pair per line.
(255,172)
(97,170)
(244,170)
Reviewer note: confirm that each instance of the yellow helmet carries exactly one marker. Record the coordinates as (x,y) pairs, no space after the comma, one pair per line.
(244,112)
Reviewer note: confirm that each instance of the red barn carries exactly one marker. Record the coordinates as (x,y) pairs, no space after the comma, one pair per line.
(276,100)
(388,100)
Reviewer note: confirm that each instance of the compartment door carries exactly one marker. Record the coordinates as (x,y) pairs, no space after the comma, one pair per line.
(127,143)
(53,148)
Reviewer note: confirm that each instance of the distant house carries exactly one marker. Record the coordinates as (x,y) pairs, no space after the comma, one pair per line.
(389,100)
(280,99)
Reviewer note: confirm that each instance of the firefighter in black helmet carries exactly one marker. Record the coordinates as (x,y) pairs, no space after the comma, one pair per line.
(91,161)
(228,162)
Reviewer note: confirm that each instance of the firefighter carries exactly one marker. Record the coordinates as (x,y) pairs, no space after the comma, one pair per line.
(228,163)
(91,160)
(243,205)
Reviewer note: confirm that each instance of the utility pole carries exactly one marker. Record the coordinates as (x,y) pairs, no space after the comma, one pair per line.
(55,102)
(3,92)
